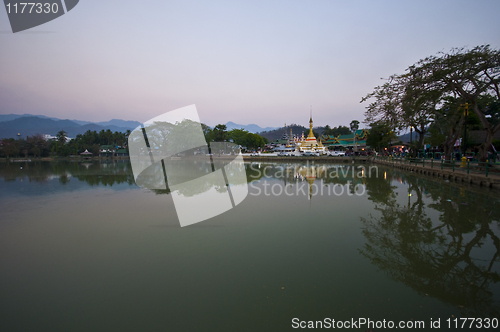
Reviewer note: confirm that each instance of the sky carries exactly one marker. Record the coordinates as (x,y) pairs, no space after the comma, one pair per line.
(262,62)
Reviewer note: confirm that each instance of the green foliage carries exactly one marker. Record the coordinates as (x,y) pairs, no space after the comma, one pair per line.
(207,132)
(246,139)
(336,131)
(37,146)
(419,97)
(354,125)
(496,144)
(381,135)
(10,147)
(220,133)
(470,75)
(490,106)
(61,137)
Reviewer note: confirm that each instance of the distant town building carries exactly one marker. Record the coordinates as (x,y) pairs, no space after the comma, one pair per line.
(48,137)
(121,153)
(107,150)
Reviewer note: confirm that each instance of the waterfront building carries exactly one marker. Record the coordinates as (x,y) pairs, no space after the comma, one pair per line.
(346,141)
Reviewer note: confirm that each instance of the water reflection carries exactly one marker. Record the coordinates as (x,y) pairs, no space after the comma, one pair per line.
(439,239)
(94,173)
(317,177)
(453,257)
(187,171)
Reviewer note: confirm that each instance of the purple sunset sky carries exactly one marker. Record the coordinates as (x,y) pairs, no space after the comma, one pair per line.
(262,62)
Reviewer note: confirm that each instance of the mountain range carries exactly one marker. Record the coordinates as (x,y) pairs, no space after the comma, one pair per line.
(16,125)
(23,125)
(253,128)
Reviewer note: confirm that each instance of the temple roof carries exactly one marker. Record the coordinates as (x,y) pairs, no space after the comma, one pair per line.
(345,140)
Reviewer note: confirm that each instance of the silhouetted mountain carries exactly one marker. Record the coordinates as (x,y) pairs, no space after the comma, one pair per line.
(406,137)
(31,125)
(275,134)
(106,124)
(120,123)
(82,123)
(28,126)
(253,128)
(10,117)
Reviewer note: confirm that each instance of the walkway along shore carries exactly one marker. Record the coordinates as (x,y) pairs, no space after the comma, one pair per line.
(476,176)
(330,160)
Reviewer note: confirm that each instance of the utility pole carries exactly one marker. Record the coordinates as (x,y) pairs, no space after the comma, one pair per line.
(411,137)
(466,113)
(354,127)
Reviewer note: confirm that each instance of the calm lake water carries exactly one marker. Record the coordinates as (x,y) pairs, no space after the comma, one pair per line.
(83,248)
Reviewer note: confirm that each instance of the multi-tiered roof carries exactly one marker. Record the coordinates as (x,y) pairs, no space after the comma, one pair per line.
(346,140)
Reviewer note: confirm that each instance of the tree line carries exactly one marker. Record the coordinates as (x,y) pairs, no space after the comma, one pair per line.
(238,136)
(437,97)
(38,146)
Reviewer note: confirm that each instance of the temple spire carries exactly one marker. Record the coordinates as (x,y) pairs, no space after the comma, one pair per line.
(311,125)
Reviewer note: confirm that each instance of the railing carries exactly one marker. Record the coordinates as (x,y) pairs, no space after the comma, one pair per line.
(484,168)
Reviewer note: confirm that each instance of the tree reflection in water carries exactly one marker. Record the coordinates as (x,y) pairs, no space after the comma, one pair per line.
(94,173)
(453,258)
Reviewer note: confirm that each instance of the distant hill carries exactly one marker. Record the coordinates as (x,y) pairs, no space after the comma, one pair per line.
(275,134)
(406,137)
(29,124)
(114,122)
(120,123)
(253,128)
(32,125)
(9,117)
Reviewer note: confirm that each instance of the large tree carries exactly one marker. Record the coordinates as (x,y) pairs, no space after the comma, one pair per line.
(354,125)
(413,99)
(62,137)
(402,103)
(448,124)
(380,136)
(246,139)
(468,74)
(385,104)
(220,133)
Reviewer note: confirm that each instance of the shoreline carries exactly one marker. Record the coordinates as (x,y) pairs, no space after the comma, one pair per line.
(33,159)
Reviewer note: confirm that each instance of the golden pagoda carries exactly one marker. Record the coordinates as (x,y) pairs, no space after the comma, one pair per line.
(311,144)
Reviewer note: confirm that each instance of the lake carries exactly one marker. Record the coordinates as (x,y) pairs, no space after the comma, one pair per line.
(83,248)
